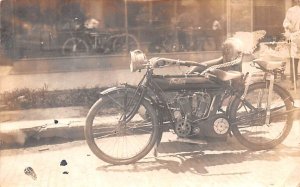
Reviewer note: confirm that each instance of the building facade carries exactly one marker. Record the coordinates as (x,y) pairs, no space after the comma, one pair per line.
(40,28)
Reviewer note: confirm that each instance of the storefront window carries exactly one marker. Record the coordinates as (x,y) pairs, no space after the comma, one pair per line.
(264,18)
(33,29)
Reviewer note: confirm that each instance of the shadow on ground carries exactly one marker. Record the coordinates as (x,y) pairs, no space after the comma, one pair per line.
(183,157)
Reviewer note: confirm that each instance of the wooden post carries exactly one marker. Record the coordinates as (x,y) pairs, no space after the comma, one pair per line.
(126,25)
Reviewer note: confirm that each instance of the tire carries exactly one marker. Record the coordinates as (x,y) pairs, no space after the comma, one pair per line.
(75,47)
(126,136)
(251,130)
(120,46)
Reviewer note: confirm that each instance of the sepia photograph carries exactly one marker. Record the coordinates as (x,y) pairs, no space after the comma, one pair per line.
(149,93)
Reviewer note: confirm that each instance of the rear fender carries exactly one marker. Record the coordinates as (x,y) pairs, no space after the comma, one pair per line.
(289,96)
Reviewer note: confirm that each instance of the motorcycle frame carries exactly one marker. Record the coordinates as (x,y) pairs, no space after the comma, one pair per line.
(146,88)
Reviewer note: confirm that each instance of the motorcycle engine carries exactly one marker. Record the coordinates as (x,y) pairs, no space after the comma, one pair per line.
(189,108)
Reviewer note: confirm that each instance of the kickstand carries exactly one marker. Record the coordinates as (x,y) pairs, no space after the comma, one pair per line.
(155,152)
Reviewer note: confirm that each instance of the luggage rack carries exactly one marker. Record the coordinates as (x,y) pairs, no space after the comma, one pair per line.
(279,51)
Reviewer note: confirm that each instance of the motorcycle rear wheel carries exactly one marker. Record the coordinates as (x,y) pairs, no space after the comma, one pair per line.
(249,127)
(75,46)
(112,139)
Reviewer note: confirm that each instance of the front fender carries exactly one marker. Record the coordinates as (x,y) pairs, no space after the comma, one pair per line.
(158,103)
(111,89)
(129,88)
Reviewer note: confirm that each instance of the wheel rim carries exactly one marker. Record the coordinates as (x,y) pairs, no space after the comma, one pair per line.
(75,47)
(251,125)
(116,139)
(121,46)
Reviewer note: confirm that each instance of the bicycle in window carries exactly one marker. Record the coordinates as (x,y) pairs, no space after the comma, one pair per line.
(85,39)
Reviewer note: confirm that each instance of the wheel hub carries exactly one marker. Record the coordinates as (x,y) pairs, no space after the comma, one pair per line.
(221,126)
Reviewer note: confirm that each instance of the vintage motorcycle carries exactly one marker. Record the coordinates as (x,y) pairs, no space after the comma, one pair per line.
(208,102)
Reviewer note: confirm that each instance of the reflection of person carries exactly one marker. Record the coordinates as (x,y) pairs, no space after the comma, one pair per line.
(291,25)
(187,21)
(217,33)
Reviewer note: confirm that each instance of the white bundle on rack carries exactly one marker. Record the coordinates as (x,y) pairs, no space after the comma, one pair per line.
(250,40)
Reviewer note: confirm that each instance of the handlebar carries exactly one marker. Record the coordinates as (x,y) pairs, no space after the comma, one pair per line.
(157,62)
(139,61)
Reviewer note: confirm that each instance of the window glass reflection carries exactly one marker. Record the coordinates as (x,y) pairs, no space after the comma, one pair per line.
(59,28)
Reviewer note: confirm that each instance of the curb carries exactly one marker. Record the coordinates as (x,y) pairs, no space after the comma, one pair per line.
(14,134)
(17,134)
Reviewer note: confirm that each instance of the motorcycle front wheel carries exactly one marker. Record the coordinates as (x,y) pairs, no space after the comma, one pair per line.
(115,134)
(249,125)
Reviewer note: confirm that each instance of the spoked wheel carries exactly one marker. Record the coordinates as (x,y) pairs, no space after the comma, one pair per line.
(125,43)
(75,47)
(249,125)
(117,136)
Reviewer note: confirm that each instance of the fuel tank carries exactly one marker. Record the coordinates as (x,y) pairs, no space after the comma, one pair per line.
(185,83)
